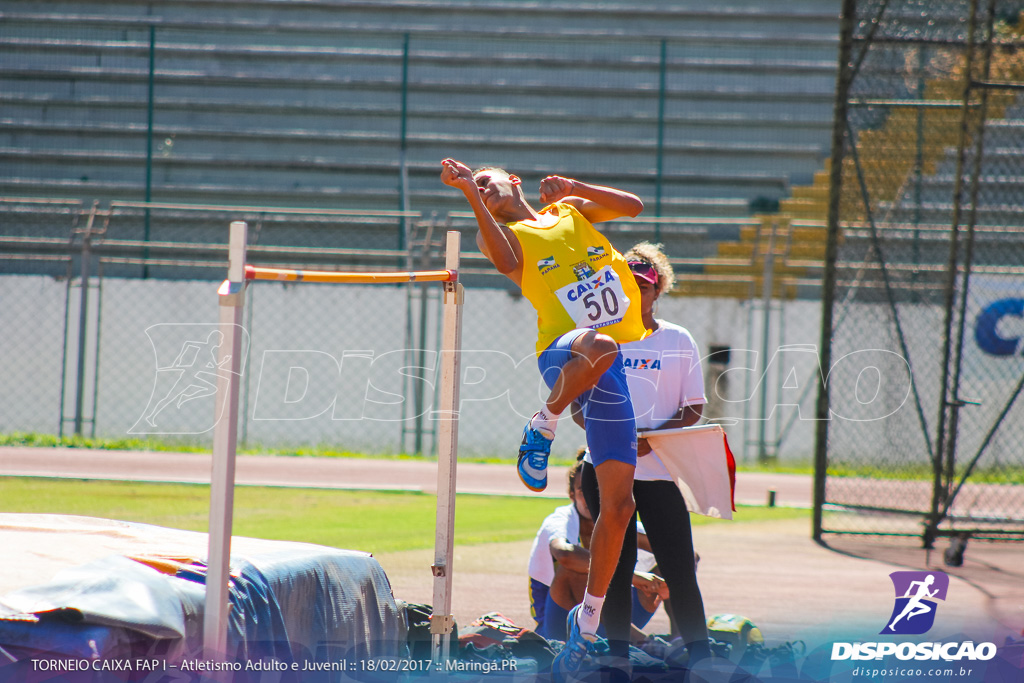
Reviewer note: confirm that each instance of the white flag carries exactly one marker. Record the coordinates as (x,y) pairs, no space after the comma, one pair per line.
(699,460)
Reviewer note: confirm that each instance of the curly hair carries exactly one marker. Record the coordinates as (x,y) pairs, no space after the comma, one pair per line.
(577,467)
(652,254)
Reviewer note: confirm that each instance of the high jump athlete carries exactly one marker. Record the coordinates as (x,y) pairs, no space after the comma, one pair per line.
(667,389)
(587,303)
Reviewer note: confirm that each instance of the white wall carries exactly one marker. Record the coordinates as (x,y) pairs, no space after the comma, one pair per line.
(325,364)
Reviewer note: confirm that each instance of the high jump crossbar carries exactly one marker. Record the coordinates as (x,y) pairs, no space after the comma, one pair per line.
(231,297)
(286,275)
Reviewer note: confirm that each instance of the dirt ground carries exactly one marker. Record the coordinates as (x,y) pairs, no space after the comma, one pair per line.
(771,572)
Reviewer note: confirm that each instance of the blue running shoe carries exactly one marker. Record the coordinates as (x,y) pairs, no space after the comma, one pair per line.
(533,459)
(569,661)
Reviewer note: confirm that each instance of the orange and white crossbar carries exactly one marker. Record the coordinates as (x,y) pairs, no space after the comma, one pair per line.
(335,277)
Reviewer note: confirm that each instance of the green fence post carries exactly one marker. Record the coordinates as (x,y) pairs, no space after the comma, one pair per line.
(662,73)
(149,144)
(919,153)
(403,170)
(844,78)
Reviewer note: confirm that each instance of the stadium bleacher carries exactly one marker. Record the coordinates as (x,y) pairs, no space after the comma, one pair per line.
(301,103)
(717,113)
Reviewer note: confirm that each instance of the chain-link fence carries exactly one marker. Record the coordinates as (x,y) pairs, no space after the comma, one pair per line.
(922,298)
(124,355)
(341,112)
(340,367)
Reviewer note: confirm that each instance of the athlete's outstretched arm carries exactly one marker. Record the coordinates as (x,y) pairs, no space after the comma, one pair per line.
(492,239)
(597,203)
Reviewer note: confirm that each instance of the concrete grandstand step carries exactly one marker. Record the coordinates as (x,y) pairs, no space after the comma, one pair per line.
(739,288)
(814,193)
(754,266)
(812,20)
(311,111)
(1007,214)
(805,208)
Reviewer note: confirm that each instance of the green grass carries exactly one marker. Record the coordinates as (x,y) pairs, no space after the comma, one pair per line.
(373,521)
(36,440)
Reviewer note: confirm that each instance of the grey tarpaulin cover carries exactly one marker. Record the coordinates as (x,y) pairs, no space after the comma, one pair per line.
(69,586)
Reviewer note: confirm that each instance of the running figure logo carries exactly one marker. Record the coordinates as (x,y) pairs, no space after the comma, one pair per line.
(192,374)
(916,593)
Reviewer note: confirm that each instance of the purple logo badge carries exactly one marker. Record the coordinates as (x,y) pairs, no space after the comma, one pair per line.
(916,593)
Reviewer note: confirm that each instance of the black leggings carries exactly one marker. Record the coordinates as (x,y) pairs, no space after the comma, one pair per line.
(666,520)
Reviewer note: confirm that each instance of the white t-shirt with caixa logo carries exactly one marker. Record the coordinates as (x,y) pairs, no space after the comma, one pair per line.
(664,374)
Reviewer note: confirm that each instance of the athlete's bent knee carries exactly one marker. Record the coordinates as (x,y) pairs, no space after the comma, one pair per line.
(619,511)
(599,349)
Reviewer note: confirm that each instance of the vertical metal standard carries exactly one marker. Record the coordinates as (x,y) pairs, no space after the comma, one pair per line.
(442,622)
(225,435)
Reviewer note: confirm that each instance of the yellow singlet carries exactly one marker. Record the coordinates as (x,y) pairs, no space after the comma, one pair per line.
(575,279)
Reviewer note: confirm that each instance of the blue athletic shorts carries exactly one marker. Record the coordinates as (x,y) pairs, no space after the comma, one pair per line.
(640,616)
(553,626)
(538,599)
(607,408)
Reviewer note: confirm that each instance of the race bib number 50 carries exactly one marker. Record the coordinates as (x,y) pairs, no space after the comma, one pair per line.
(596,301)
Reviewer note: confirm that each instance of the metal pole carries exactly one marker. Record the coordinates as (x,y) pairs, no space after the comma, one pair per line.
(949,402)
(83,321)
(767,283)
(919,155)
(403,169)
(949,474)
(421,344)
(662,80)
(848,20)
(405,230)
(442,623)
(244,400)
(149,142)
(418,391)
(64,354)
(96,350)
(231,297)
(61,419)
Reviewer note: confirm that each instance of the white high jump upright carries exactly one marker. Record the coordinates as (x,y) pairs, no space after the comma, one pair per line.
(231,297)
(225,436)
(442,621)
